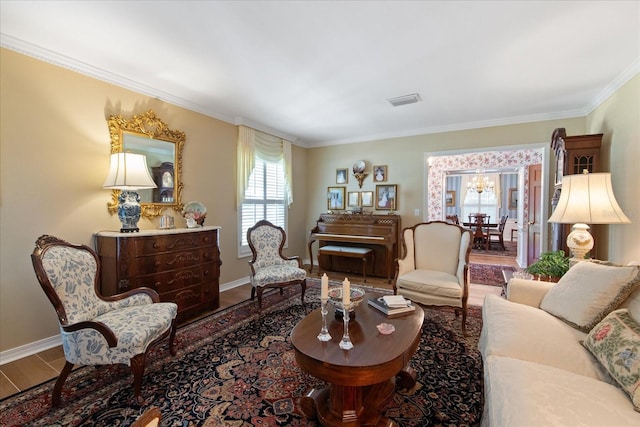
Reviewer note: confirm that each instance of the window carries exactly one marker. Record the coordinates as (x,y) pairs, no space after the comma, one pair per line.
(485,202)
(265,198)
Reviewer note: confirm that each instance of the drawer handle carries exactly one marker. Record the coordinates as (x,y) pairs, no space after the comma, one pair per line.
(157,285)
(156,245)
(157,263)
(206,272)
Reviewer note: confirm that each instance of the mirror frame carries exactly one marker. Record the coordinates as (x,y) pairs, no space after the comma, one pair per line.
(152,127)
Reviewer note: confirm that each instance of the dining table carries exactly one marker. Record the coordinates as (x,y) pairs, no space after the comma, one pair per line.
(480,230)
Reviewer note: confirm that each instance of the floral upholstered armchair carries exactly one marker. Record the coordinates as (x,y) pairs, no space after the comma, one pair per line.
(99,330)
(269,267)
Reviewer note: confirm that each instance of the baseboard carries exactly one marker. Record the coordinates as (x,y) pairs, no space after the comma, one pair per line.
(47,343)
(29,349)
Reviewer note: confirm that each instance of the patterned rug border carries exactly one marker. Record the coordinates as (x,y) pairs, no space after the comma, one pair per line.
(33,404)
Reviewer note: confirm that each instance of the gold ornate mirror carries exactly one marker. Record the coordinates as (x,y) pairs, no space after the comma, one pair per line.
(148,135)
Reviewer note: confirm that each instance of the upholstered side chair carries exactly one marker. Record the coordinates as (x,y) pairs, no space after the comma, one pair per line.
(434,269)
(269,267)
(99,330)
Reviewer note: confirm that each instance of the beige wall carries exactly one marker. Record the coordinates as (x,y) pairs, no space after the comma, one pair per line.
(618,118)
(54,147)
(54,159)
(405,158)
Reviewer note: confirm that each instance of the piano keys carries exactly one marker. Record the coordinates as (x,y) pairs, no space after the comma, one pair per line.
(381,233)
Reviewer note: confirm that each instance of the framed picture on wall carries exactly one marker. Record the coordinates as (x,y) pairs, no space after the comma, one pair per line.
(450,198)
(335,198)
(386,197)
(342,176)
(513,198)
(380,173)
(353,199)
(366,198)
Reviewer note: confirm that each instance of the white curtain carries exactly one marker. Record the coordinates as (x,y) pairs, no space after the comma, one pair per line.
(269,148)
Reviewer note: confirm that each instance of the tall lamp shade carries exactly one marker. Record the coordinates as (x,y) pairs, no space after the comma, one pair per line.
(128,172)
(586,199)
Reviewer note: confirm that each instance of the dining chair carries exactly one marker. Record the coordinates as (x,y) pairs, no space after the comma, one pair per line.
(497,235)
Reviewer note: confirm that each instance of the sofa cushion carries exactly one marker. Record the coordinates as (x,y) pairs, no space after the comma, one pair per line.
(522,393)
(589,291)
(528,333)
(615,343)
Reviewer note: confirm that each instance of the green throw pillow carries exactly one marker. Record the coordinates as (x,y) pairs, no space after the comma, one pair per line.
(615,343)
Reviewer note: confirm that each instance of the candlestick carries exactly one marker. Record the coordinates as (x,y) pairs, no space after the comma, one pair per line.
(346,343)
(346,292)
(324,288)
(324,332)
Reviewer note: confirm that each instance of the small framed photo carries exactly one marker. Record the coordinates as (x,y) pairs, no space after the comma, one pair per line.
(342,176)
(366,199)
(380,173)
(450,198)
(353,199)
(513,198)
(335,198)
(386,197)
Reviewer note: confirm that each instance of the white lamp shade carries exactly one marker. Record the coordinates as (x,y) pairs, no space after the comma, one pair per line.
(589,199)
(128,171)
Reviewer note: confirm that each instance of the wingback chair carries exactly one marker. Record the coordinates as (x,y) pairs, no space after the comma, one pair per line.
(269,267)
(434,269)
(98,330)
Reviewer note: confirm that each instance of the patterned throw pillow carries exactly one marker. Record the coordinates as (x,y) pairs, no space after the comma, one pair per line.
(615,343)
(589,291)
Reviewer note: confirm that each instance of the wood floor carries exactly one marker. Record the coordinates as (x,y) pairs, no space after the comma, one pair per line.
(33,370)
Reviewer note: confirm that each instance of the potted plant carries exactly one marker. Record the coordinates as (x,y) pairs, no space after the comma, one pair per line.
(550,267)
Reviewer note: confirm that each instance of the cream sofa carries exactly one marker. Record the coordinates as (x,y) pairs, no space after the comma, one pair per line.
(537,371)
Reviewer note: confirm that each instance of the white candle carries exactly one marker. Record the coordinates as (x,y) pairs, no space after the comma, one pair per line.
(346,292)
(324,289)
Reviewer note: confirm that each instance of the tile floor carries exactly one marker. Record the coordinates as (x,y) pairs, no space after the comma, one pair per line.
(35,369)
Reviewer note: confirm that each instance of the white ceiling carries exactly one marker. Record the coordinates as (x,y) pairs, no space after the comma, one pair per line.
(321,72)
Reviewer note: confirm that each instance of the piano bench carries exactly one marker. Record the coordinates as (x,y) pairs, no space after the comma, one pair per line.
(349,252)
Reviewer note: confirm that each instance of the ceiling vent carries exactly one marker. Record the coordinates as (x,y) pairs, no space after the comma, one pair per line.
(404,100)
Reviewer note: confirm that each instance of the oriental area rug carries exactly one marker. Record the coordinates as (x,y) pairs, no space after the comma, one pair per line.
(487,274)
(511,250)
(237,368)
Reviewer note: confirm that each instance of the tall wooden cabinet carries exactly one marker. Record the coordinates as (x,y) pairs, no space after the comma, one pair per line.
(182,265)
(581,152)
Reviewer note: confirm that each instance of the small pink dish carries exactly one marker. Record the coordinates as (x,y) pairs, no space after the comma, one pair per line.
(386,328)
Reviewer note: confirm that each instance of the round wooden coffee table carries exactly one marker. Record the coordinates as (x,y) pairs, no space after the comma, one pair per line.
(363,379)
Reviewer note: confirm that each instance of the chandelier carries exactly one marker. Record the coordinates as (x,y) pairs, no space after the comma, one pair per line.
(480,183)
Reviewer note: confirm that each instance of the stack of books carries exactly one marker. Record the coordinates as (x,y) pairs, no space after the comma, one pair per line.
(393,305)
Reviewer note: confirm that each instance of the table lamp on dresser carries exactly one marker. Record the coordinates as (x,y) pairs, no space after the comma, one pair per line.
(128,172)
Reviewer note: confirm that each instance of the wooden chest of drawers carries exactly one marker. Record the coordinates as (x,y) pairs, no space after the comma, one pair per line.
(182,265)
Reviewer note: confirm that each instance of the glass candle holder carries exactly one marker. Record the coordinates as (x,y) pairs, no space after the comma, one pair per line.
(324,332)
(346,343)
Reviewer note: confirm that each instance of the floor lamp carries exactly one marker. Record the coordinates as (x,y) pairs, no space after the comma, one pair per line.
(586,199)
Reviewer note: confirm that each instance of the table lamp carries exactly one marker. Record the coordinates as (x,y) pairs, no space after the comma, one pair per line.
(128,172)
(586,199)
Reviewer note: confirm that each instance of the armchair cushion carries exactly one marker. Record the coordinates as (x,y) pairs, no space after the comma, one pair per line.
(436,283)
(135,327)
(278,273)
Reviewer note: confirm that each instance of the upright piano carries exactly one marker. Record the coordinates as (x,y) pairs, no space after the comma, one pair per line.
(381,233)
